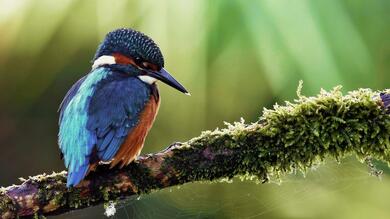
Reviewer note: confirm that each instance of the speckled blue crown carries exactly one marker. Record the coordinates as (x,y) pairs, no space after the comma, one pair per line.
(131,43)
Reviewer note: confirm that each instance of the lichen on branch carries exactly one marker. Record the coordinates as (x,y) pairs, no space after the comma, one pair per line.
(292,137)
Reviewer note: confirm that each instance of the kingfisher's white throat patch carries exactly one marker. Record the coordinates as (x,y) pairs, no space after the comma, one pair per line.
(147,79)
(103,60)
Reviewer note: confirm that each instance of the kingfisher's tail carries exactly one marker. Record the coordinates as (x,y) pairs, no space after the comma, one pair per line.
(75,177)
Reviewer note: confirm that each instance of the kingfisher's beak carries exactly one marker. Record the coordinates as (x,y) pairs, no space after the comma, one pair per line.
(165,77)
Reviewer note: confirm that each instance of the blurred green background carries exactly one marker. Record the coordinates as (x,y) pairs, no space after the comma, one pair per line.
(235,57)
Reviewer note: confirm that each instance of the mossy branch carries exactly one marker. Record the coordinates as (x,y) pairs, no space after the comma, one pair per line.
(287,138)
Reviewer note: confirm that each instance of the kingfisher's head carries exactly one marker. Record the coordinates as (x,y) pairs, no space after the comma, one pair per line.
(136,54)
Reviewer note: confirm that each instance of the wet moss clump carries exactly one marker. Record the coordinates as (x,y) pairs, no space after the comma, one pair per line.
(292,137)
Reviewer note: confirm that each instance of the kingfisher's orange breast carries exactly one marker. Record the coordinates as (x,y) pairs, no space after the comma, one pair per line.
(134,141)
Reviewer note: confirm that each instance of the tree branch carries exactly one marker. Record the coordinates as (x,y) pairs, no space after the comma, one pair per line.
(291,137)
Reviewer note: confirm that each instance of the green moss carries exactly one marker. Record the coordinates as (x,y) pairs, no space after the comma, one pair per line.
(51,188)
(290,138)
(142,179)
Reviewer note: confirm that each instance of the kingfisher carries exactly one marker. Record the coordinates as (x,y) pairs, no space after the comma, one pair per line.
(106,114)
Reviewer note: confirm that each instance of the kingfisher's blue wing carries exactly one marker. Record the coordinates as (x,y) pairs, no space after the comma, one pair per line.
(114,110)
(68,97)
(75,140)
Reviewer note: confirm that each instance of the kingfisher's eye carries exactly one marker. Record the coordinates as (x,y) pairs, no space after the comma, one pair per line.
(141,63)
(148,65)
(137,60)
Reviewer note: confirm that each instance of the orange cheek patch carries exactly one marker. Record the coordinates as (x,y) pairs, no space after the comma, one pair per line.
(121,59)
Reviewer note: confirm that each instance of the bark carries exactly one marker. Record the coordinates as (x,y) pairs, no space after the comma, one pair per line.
(288,138)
